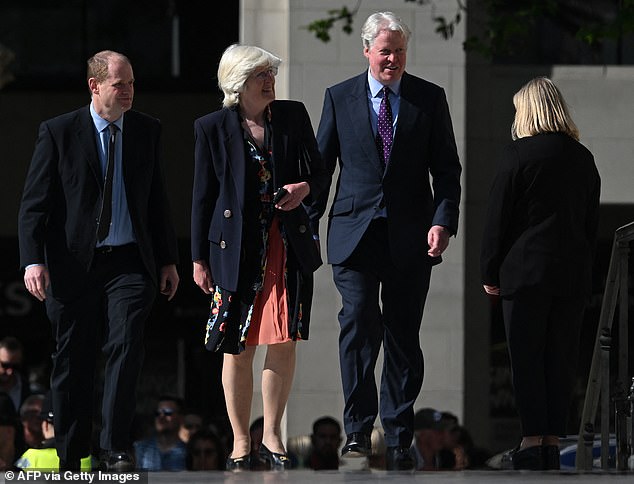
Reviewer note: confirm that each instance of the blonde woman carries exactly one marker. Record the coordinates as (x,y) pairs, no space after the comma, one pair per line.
(253,244)
(537,254)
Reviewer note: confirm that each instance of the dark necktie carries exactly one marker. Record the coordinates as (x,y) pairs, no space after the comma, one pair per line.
(105,216)
(384,127)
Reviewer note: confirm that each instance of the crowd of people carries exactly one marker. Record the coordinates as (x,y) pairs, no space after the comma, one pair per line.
(97,245)
(180,440)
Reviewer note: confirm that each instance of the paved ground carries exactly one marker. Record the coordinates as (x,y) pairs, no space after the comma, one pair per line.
(337,477)
(360,477)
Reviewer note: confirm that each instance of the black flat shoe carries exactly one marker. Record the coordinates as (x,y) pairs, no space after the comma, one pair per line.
(358,444)
(239,463)
(276,462)
(550,457)
(529,458)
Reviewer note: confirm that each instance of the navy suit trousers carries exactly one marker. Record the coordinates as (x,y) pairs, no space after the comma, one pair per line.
(109,314)
(381,305)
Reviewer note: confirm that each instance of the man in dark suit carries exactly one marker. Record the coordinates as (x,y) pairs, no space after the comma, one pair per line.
(95,241)
(386,228)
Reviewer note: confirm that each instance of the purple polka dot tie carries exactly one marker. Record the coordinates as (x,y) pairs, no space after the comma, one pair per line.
(384,127)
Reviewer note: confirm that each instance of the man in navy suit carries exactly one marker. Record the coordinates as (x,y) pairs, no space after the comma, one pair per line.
(387,227)
(96,241)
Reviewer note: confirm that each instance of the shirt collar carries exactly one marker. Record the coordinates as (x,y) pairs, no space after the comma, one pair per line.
(101,123)
(376,86)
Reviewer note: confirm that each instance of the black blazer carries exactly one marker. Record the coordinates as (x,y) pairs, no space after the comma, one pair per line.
(219,182)
(542,217)
(62,198)
(423,144)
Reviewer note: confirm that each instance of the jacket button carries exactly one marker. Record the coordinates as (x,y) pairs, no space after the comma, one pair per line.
(227,213)
(302,229)
(223,244)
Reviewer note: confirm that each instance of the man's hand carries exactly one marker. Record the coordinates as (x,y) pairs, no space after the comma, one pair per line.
(491,290)
(438,240)
(202,276)
(36,280)
(296,193)
(169,281)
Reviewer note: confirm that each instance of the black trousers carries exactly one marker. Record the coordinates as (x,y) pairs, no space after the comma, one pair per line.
(543,332)
(110,313)
(381,305)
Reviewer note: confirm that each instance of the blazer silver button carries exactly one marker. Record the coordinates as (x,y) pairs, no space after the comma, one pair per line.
(228,213)
(302,229)
(223,244)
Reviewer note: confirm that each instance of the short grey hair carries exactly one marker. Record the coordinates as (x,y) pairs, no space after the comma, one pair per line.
(380,21)
(237,63)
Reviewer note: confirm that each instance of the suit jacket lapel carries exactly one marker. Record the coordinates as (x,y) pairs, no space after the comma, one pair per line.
(358,109)
(279,143)
(236,157)
(85,130)
(407,115)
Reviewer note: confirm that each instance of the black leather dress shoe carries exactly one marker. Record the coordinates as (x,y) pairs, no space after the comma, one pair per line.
(358,444)
(116,461)
(398,459)
(529,458)
(550,457)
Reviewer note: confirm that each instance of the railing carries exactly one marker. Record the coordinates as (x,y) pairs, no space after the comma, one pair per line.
(616,287)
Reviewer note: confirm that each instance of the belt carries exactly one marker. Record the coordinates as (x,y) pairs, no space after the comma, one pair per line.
(110,249)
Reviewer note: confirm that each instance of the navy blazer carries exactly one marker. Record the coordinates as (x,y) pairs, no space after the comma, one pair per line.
(62,198)
(219,182)
(423,144)
(542,217)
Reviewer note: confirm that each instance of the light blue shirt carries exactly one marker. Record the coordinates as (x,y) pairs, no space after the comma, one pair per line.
(375,96)
(121,231)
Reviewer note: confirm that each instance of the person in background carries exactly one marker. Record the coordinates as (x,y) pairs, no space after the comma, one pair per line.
(44,457)
(13,381)
(253,245)
(96,245)
(192,423)
(11,433)
(205,452)
(394,211)
(31,418)
(325,440)
(537,253)
(429,439)
(165,451)
(256,430)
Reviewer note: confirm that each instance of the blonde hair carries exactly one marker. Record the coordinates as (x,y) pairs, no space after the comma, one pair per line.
(99,64)
(237,63)
(540,108)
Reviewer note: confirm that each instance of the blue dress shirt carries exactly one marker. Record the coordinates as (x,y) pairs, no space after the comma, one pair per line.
(121,231)
(375,96)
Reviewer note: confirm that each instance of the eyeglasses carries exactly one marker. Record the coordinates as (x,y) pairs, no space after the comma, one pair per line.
(6,365)
(165,412)
(262,75)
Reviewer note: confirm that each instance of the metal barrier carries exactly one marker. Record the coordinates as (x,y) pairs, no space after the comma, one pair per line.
(616,287)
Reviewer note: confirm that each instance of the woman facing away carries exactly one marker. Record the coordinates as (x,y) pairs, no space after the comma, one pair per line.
(537,253)
(254,246)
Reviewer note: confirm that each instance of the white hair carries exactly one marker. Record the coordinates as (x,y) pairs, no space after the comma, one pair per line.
(237,63)
(380,21)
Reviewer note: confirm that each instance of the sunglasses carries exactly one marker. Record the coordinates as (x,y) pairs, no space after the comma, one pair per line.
(165,412)
(9,366)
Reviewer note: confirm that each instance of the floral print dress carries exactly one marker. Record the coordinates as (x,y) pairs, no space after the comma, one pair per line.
(268,304)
